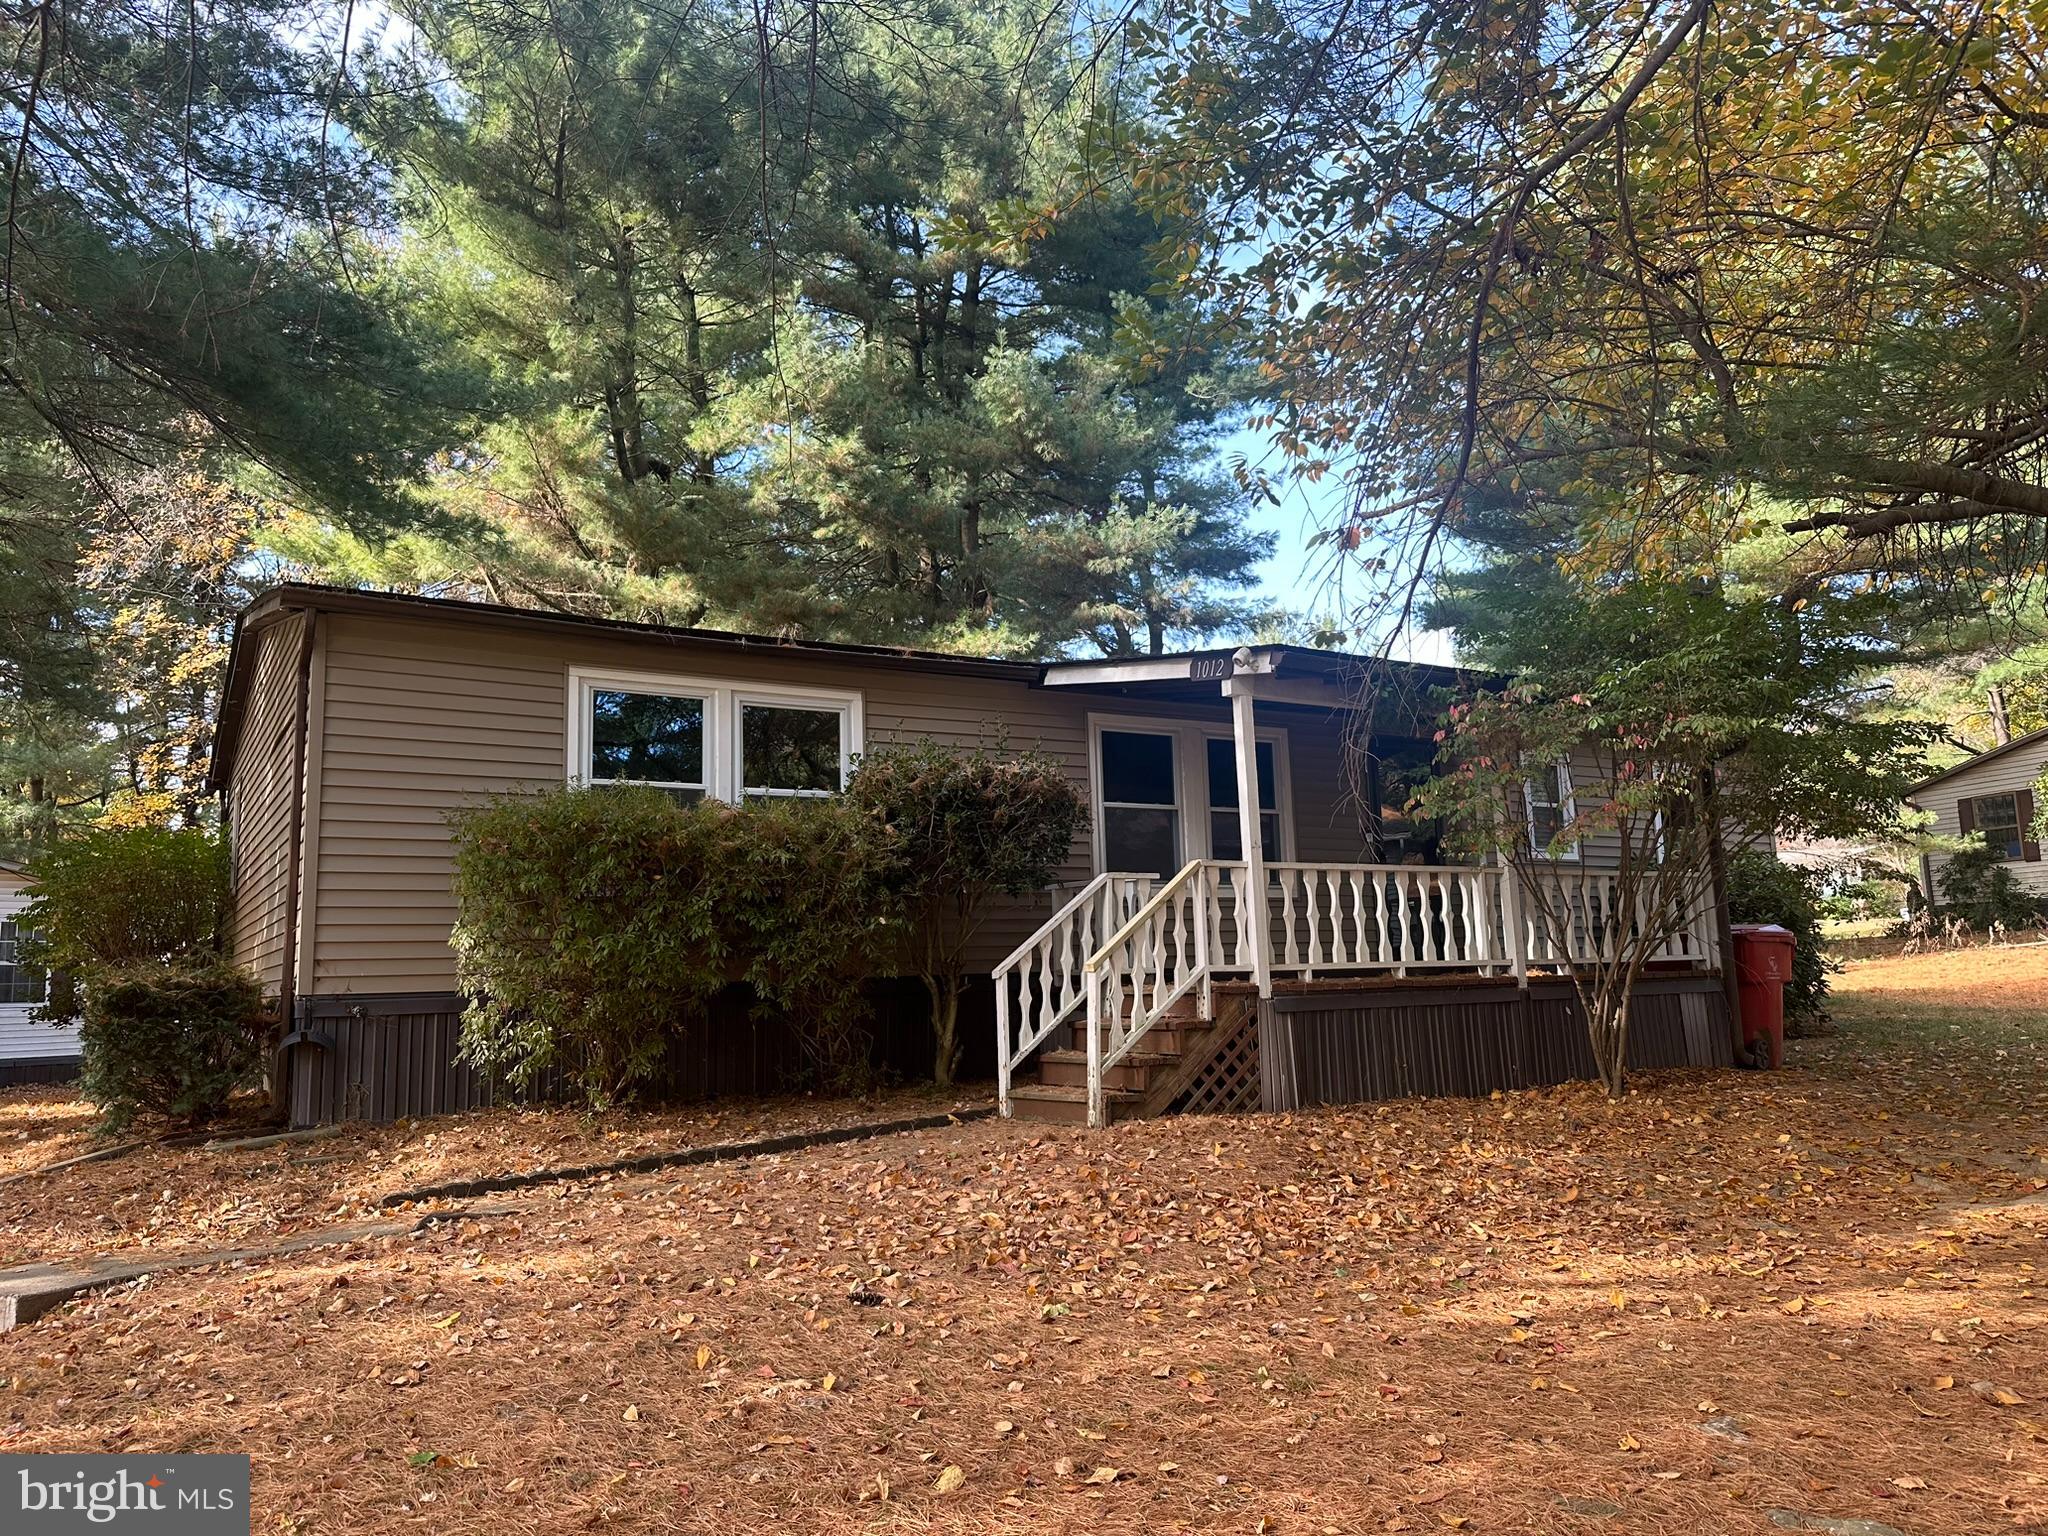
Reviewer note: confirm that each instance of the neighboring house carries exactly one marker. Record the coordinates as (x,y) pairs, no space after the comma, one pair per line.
(353,723)
(1991,793)
(30,1052)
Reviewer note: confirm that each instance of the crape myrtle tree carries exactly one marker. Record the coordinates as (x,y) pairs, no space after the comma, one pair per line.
(1688,719)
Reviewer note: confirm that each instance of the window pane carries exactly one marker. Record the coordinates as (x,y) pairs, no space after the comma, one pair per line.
(795,750)
(1224,843)
(1137,769)
(1140,842)
(651,736)
(1223,774)
(1998,818)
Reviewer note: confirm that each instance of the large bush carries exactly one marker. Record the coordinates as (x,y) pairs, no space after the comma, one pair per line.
(594,925)
(1761,889)
(968,826)
(175,1038)
(116,896)
(128,921)
(1978,886)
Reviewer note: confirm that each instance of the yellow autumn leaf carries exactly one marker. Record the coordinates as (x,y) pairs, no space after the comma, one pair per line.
(951,1480)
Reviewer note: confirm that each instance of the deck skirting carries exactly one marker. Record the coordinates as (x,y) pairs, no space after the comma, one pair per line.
(1428,1039)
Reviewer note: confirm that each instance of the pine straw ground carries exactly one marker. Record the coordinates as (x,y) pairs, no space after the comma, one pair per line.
(1726,1295)
(178,1199)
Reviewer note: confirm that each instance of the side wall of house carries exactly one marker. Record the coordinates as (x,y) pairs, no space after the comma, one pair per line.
(2012,773)
(261,789)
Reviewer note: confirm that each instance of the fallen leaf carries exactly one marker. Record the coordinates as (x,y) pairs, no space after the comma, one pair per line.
(1909,1482)
(1991,1392)
(632,1413)
(1103,1475)
(952,1480)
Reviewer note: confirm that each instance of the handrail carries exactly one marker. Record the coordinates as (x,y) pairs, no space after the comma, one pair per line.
(1154,960)
(1045,971)
(1139,917)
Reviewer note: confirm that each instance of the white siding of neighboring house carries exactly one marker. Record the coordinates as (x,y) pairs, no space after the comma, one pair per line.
(21,1037)
(2004,773)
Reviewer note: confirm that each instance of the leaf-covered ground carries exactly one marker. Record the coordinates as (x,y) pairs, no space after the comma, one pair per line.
(1820,1292)
(176,1199)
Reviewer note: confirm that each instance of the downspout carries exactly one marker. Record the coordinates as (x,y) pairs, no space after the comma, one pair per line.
(288,979)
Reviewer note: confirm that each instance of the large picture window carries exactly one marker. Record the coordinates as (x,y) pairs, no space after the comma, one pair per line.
(648,738)
(698,738)
(791,750)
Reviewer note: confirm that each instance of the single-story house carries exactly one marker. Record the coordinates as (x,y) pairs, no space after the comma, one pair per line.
(354,722)
(30,1051)
(1993,794)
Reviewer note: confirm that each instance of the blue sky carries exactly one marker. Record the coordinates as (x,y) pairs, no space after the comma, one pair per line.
(1301,578)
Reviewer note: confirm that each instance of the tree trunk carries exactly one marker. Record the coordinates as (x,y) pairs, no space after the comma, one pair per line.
(695,380)
(945,992)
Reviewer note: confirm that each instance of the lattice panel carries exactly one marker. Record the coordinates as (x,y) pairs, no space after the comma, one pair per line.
(1228,1082)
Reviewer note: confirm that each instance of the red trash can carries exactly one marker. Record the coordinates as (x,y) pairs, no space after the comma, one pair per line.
(1763,964)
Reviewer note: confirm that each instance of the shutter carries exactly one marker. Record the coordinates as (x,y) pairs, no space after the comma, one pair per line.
(2029,849)
(1966,815)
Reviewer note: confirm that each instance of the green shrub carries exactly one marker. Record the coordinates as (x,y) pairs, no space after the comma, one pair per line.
(111,897)
(968,826)
(1763,890)
(175,1038)
(594,925)
(1978,886)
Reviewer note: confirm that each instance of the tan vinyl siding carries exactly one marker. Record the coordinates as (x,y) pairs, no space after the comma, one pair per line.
(420,719)
(2005,774)
(260,795)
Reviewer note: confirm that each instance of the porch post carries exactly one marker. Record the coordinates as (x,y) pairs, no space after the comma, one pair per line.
(1252,919)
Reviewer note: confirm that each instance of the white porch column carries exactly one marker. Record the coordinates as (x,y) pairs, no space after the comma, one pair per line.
(1252,917)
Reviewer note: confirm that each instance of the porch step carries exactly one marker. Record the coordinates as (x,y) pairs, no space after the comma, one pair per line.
(1168,1039)
(1069,1069)
(1069,1106)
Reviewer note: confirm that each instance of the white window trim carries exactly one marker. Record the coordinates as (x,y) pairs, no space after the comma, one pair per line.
(723,700)
(1191,778)
(1567,808)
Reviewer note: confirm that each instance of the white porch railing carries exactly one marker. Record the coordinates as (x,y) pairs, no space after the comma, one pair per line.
(1128,948)
(1039,987)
